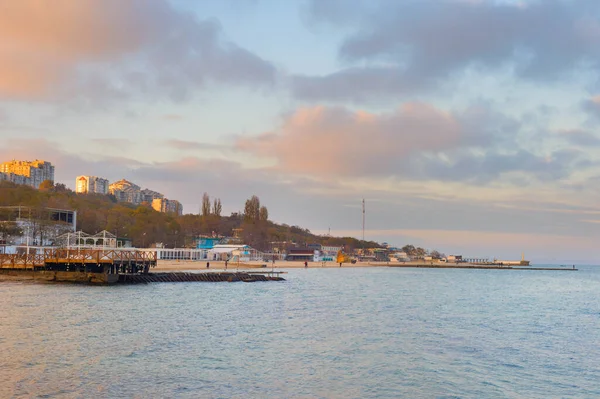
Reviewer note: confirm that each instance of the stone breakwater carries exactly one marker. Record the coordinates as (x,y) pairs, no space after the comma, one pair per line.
(182,277)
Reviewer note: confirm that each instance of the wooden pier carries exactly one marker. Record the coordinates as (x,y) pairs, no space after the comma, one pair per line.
(110,266)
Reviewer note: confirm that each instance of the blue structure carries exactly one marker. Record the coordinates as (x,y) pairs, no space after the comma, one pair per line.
(207,242)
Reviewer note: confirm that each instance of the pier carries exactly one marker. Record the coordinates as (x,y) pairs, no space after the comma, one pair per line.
(111,266)
(477,266)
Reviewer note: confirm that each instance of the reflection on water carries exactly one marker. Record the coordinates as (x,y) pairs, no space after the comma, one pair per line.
(329,333)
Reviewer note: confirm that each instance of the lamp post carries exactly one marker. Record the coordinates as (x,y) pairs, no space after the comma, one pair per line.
(27,240)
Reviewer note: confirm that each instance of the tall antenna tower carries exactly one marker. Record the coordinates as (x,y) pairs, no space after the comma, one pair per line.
(363,230)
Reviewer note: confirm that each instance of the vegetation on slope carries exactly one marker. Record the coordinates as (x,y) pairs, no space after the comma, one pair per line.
(145,226)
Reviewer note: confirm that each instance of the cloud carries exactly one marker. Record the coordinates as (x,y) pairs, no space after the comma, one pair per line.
(416,141)
(581,138)
(322,140)
(592,106)
(90,49)
(113,143)
(186,145)
(395,48)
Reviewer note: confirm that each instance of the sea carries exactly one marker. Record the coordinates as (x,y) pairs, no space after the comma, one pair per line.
(322,333)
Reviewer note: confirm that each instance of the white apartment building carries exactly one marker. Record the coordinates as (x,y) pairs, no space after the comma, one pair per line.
(149,195)
(91,184)
(167,206)
(126,191)
(32,173)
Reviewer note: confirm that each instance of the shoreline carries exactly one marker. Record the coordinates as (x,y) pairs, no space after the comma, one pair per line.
(183,265)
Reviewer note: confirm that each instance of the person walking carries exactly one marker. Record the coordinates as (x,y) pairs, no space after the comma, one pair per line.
(207,265)
(305,264)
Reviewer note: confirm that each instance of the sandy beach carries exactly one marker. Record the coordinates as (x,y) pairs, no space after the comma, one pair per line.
(173,265)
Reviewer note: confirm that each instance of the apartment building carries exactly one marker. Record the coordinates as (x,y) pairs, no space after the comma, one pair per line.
(91,184)
(126,191)
(167,206)
(149,195)
(27,172)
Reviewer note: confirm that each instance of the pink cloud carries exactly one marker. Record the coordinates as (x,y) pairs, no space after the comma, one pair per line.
(324,140)
(46,48)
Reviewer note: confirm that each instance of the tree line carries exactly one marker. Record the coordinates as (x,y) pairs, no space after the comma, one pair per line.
(144,226)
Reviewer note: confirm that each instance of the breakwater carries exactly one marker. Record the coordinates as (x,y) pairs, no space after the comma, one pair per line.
(473,266)
(182,277)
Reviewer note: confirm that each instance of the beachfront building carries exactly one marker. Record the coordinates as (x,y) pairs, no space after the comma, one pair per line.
(329,253)
(204,242)
(302,254)
(126,191)
(39,226)
(26,172)
(91,185)
(230,253)
(167,206)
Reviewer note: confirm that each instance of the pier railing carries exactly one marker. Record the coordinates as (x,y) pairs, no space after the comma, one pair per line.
(76,256)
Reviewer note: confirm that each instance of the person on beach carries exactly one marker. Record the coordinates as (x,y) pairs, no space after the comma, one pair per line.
(207,265)
(305,264)
(225,264)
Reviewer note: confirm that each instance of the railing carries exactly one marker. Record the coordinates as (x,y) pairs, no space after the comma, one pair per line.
(63,255)
(21,261)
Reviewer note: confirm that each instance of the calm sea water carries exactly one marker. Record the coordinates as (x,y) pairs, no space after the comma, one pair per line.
(324,333)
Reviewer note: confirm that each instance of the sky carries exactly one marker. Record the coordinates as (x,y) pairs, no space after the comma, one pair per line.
(468,126)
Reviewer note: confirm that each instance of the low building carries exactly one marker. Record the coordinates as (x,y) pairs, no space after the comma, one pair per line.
(203,242)
(39,226)
(302,254)
(329,253)
(91,185)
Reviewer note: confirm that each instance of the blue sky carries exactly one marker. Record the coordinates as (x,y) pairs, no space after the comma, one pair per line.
(468,126)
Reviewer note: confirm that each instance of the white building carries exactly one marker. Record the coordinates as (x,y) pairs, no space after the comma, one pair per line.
(167,206)
(149,195)
(26,172)
(126,191)
(91,184)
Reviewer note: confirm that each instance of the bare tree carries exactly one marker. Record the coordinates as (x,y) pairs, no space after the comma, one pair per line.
(263,214)
(205,205)
(217,208)
(252,209)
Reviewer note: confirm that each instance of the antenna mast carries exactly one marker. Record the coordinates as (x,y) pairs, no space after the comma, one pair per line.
(363,226)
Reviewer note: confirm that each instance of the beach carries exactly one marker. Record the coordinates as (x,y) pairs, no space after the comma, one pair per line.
(179,265)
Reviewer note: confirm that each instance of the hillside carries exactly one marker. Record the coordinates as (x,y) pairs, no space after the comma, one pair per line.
(145,226)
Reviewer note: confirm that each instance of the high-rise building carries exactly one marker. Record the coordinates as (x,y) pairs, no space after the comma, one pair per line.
(34,173)
(149,195)
(167,206)
(91,184)
(126,191)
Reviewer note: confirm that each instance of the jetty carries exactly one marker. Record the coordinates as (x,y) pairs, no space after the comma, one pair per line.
(476,266)
(110,266)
